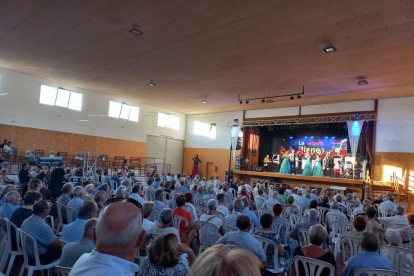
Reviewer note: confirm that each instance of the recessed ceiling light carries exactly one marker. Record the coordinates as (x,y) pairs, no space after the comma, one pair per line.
(3,94)
(83,120)
(135,31)
(362,82)
(204,101)
(329,49)
(269,100)
(152,83)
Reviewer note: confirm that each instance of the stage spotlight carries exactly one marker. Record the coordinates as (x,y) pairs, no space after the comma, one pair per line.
(292,98)
(362,81)
(306,136)
(329,49)
(247,102)
(253,130)
(333,137)
(291,137)
(312,137)
(241,102)
(326,137)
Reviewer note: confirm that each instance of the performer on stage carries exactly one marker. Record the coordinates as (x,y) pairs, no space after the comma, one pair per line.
(290,150)
(266,163)
(328,164)
(292,161)
(195,167)
(308,166)
(299,156)
(317,169)
(285,168)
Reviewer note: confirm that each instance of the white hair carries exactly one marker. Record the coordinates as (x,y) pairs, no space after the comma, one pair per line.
(393,237)
(313,191)
(238,205)
(317,234)
(177,186)
(349,196)
(355,195)
(78,191)
(120,191)
(335,205)
(212,204)
(275,194)
(89,188)
(126,181)
(399,211)
(303,185)
(313,215)
(210,190)
(300,192)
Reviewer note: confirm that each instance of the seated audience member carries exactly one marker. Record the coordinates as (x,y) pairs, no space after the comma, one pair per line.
(190,207)
(4,180)
(6,190)
(221,199)
(243,239)
(57,177)
(52,154)
(283,196)
(64,199)
(313,204)
(313,219)
(379,200)
(77,200)
(349,198)
(164,257)
(147,211)
(12,200)
(297,193)
(25,177)
(180,211)
(368,257)
(100,198)
(361,209)
(372,220)
(272,201)
(48,245)
(136,191)
(407,230)
(74,250)
(396,221)
(243,192)
(265,231)
(359,225)
(211,218)
(388,203)
(250,214)
(317,237)
(194,189)
(35,185)
(73,231)
(210,195)
(389,198)
(305,200)
(200,190)
(149,191)
(127,184)
(114,256)
(303,189)
(325,202)
(90,191)
(20,214)
(227,193)
(120,192)
(159,205)
(259,199)
(236,261)
(342,206)
(8,148)
(290,201)
(356,200)
(231,219)
(34,170)
(106,188)
(335,211)
(314,196)
(156,183)
(105,178)
(277,214)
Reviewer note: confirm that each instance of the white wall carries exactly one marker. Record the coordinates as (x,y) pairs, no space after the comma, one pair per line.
(395,127)
(222,140)
(20,107)
(338,107)
(272,112)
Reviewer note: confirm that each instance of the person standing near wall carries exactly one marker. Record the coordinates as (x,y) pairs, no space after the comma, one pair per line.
(195,167)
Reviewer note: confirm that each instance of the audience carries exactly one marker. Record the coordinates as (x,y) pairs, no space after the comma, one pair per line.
(359,225)
(6,190)
(368,257)
(105,187)
(335,211)
(228,194)
(190,207)
(147,211)
(387,203)
(180,211)
(200,190)
(136,194)
(221,199)
(407,230)
(100,198)
(277,214)
(314,196)
(158,200)
(4,180)
(210,194)
(305,200)
(73,231)
(78,196)
(230,220)
(57,177)
(25,177)
(396,221)
(105,178)
(12,200)
(250,214)
(243,239)
(74,250)
(361,209)
(120,192)
(166,217)
(164,257)
(317,236)
(48,244)
(272,201)
(211,218)
(90,191)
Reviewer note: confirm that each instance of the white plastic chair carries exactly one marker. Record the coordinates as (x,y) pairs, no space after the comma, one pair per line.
(11,252)
(330,218)
(62,244)
(177,222)
(260,212)
(354,246)
(204,202)
(62,271)
(338,228)
(169,204)
(322,213)
(61,225)
(30,268)
(227,229)
(304,236)
(296,219)
(112,184)
(410,244)
(265,244)
(277,227)
(208,234)
(259,203)
(312,267)
(375,272)
(400,258)
(71,214)
(196,202)
(289,210)
(301,208)
(201,211)
(220,215)
(233,192)
(384,211)
(7,244)
(350,206)
(269,206)
(395,226)
(155,216)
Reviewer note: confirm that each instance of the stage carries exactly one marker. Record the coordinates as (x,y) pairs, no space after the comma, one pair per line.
(351,185)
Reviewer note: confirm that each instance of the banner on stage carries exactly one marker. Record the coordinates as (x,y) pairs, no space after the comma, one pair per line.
(320,145)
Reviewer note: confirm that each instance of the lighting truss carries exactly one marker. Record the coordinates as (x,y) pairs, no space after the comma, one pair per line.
(271,97)
(307,120)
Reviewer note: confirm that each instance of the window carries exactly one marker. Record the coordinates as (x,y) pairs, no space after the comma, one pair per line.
(207,130)
(60,97)
(168,121)
(123,111)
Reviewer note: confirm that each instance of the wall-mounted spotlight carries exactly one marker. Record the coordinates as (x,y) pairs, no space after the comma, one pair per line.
(299,96)
(362,81)
(292,98)
(151,83)
(247,102)
(135,31)
(329,49)
(204,101)
(241,102)
(263,100)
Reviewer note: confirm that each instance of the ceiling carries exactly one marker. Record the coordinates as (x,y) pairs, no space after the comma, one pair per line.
(214,49)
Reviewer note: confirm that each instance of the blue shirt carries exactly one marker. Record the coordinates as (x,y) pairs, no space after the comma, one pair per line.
(245,241)
(209,196)
(40,231)
(2,201)
(251,215)
(198,195)
(156,185)
(366,259)
(32,157)
(158,206)
(73,232)
(75,203)
(304,201)
(184,189)
(7,210)
(230,220)
(105,179)
(313,196)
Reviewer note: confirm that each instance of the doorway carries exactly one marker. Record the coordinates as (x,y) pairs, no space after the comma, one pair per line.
(209,170)
(166,151)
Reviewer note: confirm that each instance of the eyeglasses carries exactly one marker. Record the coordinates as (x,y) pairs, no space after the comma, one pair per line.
(130,200)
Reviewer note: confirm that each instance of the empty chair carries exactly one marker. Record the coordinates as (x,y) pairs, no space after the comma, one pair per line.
(289,210)
(304,236)
(196,202)
(311,267)
(353,245)
(375,272)
(11,252)
(350,206)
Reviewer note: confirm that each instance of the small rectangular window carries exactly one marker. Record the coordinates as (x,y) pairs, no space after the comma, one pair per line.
(114,109)
(134,114)
(207,130)
(47,95)
(62,98)
(123,111)
(75,101)
(168,121)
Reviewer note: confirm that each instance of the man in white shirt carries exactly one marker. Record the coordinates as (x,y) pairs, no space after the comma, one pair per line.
(387,204)
(389,197)
(52,154)
(8,149)
(298,194)
(136,190)
(211,218)
(147,211)
(338,193)
(335,211)
(114,256)
(221,199)
(259,199)
(274,200)
(399,219)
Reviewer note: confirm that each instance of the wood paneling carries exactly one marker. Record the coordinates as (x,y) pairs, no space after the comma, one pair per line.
(387,162)
(25,138)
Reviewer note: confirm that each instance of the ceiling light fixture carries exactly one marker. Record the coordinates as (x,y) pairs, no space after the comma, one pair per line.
(204,101)
(135,31)
(83,120)
(362,81)
(151,83)
(4,94)
(269,99)
(329,49)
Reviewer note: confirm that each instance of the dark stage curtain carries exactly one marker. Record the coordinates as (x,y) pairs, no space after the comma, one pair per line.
(368,134)
(251,142)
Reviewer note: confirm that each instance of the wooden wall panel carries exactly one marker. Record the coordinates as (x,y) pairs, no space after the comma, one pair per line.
(387,162)
(24,138)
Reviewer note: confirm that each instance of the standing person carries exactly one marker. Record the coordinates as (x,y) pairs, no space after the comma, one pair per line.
(57,177)
(284,167)
(195,167)
(308,166)
(292,161)
(8,149)
(317,169)
(24,177)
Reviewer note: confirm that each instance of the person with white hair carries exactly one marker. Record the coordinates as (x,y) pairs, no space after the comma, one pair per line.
(149,191)
(297,194)
(230,220)
(339,193)
(90,190)
(387,203)
(342,206)
(335,211)
(127,184)
(399,220)
(217,184)
(314,196)
(379,199)
(118,235)
(73,231)
(356,200)
(394,238)
(12,200)
(120,192)
(361,209)
(78,198)
(305,200)
(147,211)
(389,197)
(211,218)
(303,189)
(274,200)
(227,193)
(210,194)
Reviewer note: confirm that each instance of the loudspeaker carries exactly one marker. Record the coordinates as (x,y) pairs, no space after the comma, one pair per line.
(252,168)
(253,153)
